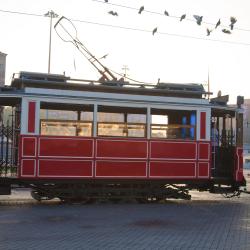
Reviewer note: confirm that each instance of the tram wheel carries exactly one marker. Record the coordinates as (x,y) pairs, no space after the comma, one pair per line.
(38,196)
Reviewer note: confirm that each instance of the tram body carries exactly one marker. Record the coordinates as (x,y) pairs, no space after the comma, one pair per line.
(75,139)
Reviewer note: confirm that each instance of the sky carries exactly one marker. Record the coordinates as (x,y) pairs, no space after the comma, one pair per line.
(179,52)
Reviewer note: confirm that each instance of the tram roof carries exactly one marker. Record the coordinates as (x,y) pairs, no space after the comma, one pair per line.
(11,95)
(62,82)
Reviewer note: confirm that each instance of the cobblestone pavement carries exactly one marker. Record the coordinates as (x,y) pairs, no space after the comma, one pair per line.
(207,222)
(174,225)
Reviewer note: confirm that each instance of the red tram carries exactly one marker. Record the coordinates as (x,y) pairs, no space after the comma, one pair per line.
(75,139)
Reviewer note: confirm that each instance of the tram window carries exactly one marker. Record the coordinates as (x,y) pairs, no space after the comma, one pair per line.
(121,122)
(173,124)
(86,116)
(65,128)
(66,119)
(136,118)
(58,114)
(136,125)
(159,126)
(110,117)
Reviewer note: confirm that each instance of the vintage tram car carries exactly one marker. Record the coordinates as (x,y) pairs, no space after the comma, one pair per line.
(76,139)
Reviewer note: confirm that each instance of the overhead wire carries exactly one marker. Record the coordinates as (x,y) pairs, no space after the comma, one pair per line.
(136,29)
(21,13)
(132,28)
(161,33)
(162,14)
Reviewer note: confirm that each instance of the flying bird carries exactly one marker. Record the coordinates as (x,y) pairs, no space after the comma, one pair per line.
(208,32)
(154,31)
(141,10)
(217,24)
(113,13)
(166,13)
(182,17)
(226,31)
(233,21)
(104,57)
(198,19)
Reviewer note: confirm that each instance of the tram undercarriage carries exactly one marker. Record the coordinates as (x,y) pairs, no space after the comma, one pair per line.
(115,191)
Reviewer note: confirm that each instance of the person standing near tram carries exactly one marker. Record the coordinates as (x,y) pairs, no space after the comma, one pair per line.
(215,146)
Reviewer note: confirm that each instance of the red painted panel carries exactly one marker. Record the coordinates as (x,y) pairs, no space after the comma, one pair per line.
(203,169)
(65,168)
(29,146)
(203,125)
(28,167)
(66,147)
(121,149)
(172,169)
(240,157)
(173,150)
(121,169)
(204,151)
(31,117)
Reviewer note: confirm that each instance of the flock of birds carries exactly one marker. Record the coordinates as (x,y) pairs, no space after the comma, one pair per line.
(197,18)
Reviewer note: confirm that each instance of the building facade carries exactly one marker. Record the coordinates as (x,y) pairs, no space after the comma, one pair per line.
(247,121)
(2,68)
(2,75)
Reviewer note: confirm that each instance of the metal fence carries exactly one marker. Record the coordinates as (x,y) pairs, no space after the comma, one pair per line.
(8,150)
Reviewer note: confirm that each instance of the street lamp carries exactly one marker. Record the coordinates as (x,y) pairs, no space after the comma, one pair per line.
(51,14)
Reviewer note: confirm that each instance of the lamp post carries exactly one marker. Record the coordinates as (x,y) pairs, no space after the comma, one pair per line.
(51,14)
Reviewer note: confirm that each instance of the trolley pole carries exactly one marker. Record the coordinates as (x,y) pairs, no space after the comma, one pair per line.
(51,14)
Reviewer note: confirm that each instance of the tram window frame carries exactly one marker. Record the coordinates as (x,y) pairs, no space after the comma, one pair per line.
(179,124)
(76,126)
(121,127)
(122,123)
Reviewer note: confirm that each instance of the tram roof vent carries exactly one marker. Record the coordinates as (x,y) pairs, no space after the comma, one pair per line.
(6,88)
(35,76)
(113,83)
(181,87)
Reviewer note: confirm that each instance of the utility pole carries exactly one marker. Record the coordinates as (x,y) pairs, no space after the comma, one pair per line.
(51,14)
(125,68)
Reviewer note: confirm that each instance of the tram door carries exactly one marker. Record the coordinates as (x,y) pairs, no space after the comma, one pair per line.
(223,140)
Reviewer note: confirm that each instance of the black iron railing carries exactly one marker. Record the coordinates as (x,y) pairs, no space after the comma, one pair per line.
(8,150)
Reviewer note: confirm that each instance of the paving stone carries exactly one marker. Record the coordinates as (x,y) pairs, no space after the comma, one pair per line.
(176,225)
